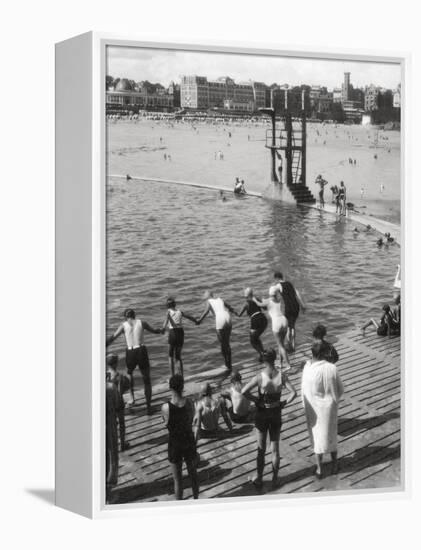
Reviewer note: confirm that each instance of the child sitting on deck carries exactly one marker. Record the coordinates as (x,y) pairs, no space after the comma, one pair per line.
(208,411)
(238,405)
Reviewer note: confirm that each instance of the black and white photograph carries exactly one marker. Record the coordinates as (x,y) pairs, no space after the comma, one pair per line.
(253,275)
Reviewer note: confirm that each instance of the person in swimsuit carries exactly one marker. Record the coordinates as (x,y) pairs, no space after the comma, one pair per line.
(319,333)
(342,198)
(388,325)
(112,403)
(136,352)
(122,383)
(258,321)
(178,415)
(269,383)
(223,324)
(322,184)
(276,308)
(293,303)
(208,411)
(238,406)
(174,322)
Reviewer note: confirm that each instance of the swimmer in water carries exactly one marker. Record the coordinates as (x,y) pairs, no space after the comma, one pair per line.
(379,242)
(258,321)
(389,239)
(222,311)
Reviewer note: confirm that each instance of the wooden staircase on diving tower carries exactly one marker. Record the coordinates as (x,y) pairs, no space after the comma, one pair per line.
(286,140)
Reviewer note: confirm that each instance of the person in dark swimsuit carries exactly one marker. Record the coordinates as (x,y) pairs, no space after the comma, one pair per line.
(174,323)
(293,303)
(342,198)
(319,333)
(269,383)
(122,384)
(178,416)
(258,321)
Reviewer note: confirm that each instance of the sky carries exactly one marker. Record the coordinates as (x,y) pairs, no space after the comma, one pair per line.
(165,66)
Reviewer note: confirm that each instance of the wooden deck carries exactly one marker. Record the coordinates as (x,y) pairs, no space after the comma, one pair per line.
(369,434)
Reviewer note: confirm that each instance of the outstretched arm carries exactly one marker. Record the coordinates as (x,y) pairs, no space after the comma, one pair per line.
(260,303)
(197,421)
(205,313)
(148,327)
(116,334)
(225,415)
(189,317)
(300,301)
(230,308)
(243,310)
(246,391)
(292,392)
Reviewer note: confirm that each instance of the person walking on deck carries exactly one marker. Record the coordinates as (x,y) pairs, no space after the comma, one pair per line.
(222,311)
(258,321)
(174,323)
(178,415)
(269,383)
(136,352)
(276,309)
(321,389)
(293,302)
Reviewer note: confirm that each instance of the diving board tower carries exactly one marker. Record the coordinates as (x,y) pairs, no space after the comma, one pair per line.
(287,142)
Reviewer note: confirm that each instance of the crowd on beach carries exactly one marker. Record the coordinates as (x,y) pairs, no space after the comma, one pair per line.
(259,401)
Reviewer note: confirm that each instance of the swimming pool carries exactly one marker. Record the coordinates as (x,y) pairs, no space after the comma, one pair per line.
(165,239)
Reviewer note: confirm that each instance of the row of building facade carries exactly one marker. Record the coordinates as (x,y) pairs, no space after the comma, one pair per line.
(199,92)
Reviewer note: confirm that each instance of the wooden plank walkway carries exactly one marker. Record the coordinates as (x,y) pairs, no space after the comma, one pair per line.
(369,434)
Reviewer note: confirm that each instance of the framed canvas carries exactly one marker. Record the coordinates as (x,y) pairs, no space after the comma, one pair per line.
(229,257)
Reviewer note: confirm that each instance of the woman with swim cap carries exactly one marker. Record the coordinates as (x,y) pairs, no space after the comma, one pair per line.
(276,308)
(269,383)
(258,321)
(221,310)
(174,322)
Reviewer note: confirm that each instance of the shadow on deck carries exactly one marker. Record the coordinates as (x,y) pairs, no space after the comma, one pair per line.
(369,434)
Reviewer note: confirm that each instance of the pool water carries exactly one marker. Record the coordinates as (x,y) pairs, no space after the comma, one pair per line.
(165,239)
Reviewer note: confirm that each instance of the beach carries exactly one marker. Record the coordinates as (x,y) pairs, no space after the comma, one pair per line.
(141,148)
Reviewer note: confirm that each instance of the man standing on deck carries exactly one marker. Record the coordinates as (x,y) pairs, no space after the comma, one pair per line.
(292,301)
(136,352)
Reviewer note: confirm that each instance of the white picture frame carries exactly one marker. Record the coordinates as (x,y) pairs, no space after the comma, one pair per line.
(80,268)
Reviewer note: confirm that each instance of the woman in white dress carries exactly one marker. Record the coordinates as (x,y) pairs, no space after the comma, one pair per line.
(322,389)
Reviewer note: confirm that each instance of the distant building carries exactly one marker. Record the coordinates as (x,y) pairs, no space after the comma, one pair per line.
(194,92)
(337,95)
(371,96)
(238,105)
(346,87)
(141,95)
(397,97)
(174,90)
(325,102)
(259,94)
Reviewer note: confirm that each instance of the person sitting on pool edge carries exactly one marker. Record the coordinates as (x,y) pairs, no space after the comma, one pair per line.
(388,325)
(208,411)
(238,405)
